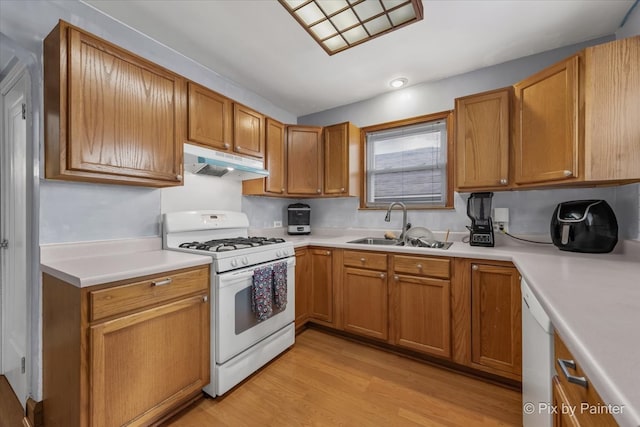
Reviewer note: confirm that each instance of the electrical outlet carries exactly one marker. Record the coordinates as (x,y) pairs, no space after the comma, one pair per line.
(277,224)
(501,226)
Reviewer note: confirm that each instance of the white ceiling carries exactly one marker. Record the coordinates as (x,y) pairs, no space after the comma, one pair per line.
(257,44)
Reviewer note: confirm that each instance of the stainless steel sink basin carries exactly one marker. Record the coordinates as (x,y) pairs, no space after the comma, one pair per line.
(394,242)
(376,241)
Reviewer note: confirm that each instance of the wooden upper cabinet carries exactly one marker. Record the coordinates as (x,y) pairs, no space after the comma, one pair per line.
(612,110)
(547,137)
(304,160)
(496,320)
(483,140)
(209,118)
(275,160)
(341,159)
(110,116)
(248,131)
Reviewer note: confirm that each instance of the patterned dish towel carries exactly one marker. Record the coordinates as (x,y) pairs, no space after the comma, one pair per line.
(262,293)
(280,285)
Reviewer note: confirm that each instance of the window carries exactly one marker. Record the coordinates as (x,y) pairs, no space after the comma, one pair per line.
(406,162)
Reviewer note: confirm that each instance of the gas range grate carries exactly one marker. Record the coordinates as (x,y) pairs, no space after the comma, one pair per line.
(223,245)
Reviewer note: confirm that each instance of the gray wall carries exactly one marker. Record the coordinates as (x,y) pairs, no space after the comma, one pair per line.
(530,211)
(79,212)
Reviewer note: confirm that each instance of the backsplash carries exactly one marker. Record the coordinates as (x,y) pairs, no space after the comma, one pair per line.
(529,211)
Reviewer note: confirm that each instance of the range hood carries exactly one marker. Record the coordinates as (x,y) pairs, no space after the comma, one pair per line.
(204,161)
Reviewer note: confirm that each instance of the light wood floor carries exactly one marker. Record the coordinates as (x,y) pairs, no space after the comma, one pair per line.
(328,381)
(11,411)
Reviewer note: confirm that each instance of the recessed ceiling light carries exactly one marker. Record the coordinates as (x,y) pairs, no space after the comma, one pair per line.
(398,83)
(340,24)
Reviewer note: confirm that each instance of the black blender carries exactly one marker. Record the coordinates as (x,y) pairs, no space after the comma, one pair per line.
(479,211)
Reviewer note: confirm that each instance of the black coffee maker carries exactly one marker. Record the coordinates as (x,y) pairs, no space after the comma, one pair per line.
(479,211)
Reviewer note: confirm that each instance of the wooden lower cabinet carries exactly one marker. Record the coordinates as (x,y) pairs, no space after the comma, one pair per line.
(321,304)
(588,407)
(496,319)
(421,304)
(365,302)
(303,287)
(134,366)
(422,314)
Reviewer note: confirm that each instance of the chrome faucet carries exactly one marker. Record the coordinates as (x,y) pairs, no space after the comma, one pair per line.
(387,218)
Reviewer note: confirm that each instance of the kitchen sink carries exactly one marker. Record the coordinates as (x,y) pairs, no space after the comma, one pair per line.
(376,241)
(396,242)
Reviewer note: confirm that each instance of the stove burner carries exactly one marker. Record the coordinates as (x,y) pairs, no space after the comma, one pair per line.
(223,245)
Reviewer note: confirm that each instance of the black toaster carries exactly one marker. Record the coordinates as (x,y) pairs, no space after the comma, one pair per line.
(584,226)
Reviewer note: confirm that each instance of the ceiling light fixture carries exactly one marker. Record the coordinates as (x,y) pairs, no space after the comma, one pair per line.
(340,24)
(398,83)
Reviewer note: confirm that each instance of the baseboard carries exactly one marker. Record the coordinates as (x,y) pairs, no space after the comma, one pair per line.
(34,416)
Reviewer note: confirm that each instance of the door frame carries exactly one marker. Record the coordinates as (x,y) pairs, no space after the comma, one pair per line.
(19,70)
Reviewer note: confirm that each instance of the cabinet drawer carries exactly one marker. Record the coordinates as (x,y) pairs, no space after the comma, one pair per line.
(583,398)
(363,259)
(121,299)
(422,266)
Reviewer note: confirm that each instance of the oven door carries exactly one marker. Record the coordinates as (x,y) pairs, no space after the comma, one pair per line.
(237,328)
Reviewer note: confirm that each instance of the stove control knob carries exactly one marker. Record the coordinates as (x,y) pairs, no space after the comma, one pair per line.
(278,254)
(245,260)
(234,263)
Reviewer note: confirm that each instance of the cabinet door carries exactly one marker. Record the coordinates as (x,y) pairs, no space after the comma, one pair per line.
(126,116)
(209,118)
(547,136)
(321,285)
(303,286)
(562,418)
(482,140)
(336,159)
(612,128)
(143,363)
(275,160)
(304,160)
(496,319)
(365,302)
(422,314)
(248,131)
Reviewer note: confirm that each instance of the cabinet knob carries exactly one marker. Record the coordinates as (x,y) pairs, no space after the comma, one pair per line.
(396,278)
(327,253)
(205,298)
(318,190)
(238,148)
(503,181)
(568,173)
(419,266)
(382,275)
(474,267)
(178,176)
(226,145)
(342,189)
(363,260)
(282,189)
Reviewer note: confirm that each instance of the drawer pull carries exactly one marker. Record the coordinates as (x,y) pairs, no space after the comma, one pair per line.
(419,266)
(162,282)
(363,260)
(564,364)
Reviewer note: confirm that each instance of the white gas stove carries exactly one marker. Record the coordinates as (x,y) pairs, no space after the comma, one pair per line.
(240,343)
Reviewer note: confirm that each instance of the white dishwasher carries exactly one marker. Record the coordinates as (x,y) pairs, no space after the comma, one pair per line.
(537,361)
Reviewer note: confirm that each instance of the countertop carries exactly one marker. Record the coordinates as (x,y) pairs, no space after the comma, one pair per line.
(593,301)
(79,265)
